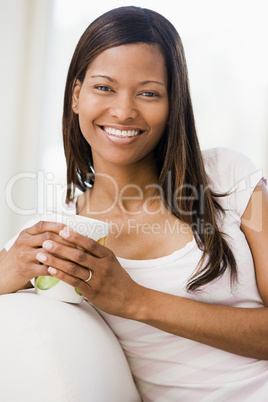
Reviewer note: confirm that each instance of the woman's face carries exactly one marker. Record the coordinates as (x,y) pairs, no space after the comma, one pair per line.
(122,104)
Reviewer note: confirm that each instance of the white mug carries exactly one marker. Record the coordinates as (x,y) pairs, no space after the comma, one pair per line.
(53,287)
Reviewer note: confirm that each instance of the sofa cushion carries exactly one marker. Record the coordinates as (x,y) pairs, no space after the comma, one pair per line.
(58,352)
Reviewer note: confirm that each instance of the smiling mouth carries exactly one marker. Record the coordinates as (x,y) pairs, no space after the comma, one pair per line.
(121,133)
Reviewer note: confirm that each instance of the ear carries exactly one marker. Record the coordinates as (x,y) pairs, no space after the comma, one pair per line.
(75,98)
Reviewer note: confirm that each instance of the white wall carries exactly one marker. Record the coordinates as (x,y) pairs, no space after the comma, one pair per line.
(23,41)
(225,44)
(226,50)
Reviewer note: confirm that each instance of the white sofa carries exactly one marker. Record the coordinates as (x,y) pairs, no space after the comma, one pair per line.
(51,351)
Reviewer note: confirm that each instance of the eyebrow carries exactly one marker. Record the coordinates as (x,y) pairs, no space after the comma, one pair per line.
(104,76)
(114,80)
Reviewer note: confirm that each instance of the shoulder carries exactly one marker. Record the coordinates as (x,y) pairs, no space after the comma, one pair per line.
(50,210)
(62,207)
(220,154)
(233,173)
(227,169)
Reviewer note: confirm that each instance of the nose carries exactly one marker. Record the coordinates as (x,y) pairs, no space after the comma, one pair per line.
(124,107)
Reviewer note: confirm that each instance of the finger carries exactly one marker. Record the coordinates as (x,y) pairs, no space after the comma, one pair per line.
(71,280)
(45,226)
(72,254)
(84,242)
(68,267)
(40,270)
(33,269)
(37,240)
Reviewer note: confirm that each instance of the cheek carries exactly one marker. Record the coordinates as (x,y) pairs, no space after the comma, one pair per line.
(84,125)
(88,112)
(160,118)
(158,122)
(89,108)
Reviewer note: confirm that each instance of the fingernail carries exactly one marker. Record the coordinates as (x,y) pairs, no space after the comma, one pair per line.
(65,232)
(52,271)
(47,244)
(41,257)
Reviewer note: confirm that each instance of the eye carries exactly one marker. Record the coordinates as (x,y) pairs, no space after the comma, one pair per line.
(149,94)
(103,88)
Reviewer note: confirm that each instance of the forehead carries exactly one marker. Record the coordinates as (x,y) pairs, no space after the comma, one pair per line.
(135,60)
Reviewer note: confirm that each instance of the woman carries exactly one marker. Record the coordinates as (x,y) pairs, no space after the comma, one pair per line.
(187,293)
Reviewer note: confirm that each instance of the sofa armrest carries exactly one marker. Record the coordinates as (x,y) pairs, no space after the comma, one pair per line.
(52,351)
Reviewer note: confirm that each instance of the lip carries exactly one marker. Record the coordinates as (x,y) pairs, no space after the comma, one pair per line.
(121,139)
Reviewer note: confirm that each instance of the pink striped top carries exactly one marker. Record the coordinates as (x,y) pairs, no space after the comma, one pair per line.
(169,368)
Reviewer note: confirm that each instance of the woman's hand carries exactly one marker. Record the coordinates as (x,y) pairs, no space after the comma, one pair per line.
(110,288)
(19,265)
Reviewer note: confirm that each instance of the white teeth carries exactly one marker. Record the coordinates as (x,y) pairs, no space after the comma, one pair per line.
(119,133)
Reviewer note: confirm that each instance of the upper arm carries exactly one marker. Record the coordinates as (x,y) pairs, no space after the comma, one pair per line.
(254,224)
(2,254)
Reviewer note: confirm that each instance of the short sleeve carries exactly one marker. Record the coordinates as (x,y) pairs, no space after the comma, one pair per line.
(11,241)
(69,209)
(234,173)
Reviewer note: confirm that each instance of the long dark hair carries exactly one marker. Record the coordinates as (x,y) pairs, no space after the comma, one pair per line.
(178,154)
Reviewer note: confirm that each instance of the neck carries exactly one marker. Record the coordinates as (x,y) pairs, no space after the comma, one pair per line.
(124,188)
